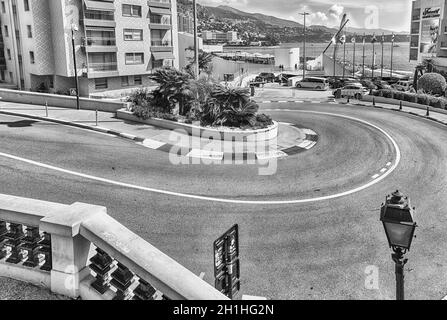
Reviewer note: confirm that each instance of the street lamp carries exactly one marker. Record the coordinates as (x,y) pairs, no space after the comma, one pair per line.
(196,41)
(304,14)
(74,29)
(397,218)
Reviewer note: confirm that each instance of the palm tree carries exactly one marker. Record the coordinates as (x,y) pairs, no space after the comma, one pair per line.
(173,88)
(205,62)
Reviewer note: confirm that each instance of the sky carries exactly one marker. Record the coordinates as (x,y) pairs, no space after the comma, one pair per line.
(392,15)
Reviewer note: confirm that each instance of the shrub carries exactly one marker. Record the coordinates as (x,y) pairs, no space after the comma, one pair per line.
(386,93)
(264,120)
(398,95)
(432,83)
(422,98)
(410,97)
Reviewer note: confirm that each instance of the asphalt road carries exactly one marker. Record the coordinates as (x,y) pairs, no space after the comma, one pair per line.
(314,250)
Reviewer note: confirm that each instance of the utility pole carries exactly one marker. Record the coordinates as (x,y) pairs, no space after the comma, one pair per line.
(73,29)
(304,14)
(363,58)
(196,42)
(353,55)
(392,48)
(381,60)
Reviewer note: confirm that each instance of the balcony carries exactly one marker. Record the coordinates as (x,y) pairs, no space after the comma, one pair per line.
(159,3)
(102,69)
(160,22)
(161,46)
(100,44)
(414,45)
(99,18)
(443,45)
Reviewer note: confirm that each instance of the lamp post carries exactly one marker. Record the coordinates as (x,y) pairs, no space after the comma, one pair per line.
(304,14)
(397,218)
(196,42)
(73,29)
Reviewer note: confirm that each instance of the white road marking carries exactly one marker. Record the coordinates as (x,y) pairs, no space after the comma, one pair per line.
(388,164)
(375,176)
(309,132)
(305,144)
(152,144)
(282,101)
(205,154)
(205,198)
(270,155)
(383,170)
(311,145)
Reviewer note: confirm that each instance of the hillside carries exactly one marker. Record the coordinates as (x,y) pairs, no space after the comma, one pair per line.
(257,26)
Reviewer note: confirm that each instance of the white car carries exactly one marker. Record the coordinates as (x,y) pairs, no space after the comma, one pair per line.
(403,85)
(354,90)
(313,83)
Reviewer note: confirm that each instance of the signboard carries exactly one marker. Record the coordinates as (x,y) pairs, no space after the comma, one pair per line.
(430,13)
(226,263)
(72,91)
(429,37)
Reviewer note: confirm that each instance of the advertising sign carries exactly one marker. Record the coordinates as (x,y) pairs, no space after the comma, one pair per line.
(430,13)
(429,37)
(226,262)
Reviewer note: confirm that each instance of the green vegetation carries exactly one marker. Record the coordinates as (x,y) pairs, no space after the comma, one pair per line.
(203,100)
(432,83)
(420,98)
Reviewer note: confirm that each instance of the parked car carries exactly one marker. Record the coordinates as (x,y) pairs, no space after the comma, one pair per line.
(267,76)
(382,84)
(284,78)
(353,90)
(339,82)
(368,84)
(313,83)
(403,85)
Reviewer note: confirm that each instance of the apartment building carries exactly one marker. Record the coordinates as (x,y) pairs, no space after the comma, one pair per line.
(117,43)
(219,36)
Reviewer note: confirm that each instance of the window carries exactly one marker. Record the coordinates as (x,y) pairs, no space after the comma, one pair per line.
(30,31)
(157,64)
(8,52)
(133,34)
(137,80)
(26,5)
(131,10)
(31,57)
(6,31)
(100,83)
(11,76)
(124,81)
(2,74)
(3,7)
(134,58)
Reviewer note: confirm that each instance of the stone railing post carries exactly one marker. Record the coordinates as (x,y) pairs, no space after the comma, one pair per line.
(69,249)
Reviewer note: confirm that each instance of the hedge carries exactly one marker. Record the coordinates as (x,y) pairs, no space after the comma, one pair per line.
(420,98)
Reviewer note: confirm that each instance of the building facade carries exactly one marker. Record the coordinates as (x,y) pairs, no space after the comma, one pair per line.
(219,36)
(117,43)
(428,30)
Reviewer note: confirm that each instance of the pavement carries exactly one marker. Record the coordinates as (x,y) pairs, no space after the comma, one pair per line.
(289,249)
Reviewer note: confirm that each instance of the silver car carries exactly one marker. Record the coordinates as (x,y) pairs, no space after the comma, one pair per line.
(313,83)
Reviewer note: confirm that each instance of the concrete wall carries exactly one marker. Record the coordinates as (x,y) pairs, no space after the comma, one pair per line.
(59,100)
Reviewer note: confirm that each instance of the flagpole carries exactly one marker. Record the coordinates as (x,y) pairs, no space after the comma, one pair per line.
(363,64)
(344,57)
(381,61)
(373,58)
(392,48)
(353,58)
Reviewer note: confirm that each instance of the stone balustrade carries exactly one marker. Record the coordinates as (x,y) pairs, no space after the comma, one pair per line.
(79,251)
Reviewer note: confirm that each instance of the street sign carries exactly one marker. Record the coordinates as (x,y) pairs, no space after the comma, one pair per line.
(226,263)
(73,92)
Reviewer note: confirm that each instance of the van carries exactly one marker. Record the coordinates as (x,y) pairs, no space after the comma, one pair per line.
(403,85)
(313,83)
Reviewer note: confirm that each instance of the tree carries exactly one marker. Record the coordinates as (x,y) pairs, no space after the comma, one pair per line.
(173,88)
(205,62)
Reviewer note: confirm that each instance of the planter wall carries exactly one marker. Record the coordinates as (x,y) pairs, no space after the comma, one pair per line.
(404,103)
(223,133)
(61,101)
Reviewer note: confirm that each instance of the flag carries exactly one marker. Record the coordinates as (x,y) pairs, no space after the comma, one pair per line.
(374,39)
(333,40)
(383,39)
(364,39)
(392,37)
(353,39)
(342,39)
